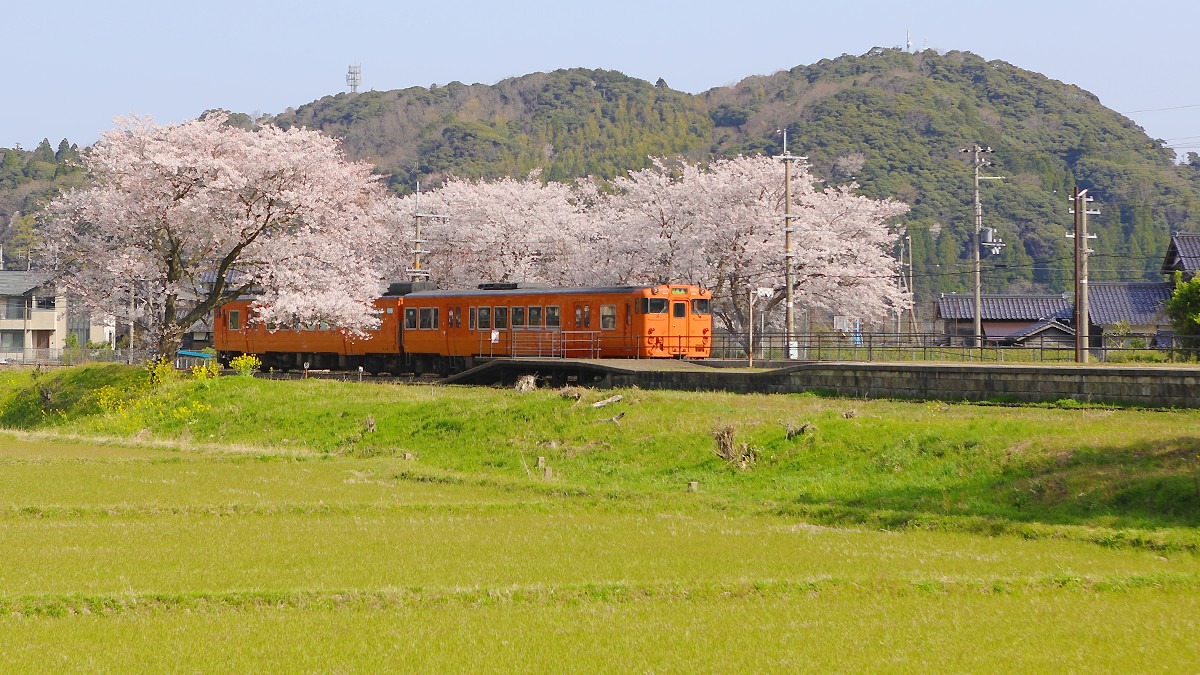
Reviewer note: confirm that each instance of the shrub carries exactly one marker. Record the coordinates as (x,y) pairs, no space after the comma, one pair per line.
(161,370)
(207,370)
(245,365)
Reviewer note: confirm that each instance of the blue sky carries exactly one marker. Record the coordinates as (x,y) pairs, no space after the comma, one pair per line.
(75,65)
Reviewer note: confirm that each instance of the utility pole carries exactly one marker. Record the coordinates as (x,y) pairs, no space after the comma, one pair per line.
(1081,212)
(417,272)
(978,243)
(913,324)
(788,252)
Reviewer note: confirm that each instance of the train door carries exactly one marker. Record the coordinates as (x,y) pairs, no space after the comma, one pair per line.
(680,327)
(581,341)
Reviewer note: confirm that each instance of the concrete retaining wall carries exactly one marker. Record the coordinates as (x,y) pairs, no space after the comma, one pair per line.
(1152,387)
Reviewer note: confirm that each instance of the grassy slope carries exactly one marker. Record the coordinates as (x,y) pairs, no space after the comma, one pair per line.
(1090,471)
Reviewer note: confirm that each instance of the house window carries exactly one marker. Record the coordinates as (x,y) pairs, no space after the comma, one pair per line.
(13,308)
(44,303)
(11,340)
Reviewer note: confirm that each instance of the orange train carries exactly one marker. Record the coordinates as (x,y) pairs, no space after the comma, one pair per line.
(432,331)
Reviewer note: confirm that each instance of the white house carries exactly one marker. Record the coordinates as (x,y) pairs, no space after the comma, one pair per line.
(35,316)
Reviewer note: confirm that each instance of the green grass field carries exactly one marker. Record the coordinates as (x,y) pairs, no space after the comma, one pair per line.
(241,524)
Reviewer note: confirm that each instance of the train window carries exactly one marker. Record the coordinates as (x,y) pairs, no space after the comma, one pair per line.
(608,317)
(410,318)
(654,305)
(553,318)
(680,310)
(235,319)
(583,316)
(470,318)
(628,314)
(458,317)
(501,317)
(535,316)
(391,310)
(485,318)
(429,318)
(702,306)
(518,317)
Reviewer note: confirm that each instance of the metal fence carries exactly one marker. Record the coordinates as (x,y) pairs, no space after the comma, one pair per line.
(76,356)
(837,346)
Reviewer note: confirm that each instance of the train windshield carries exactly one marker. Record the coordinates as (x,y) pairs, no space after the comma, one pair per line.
(654,305)
(702,306)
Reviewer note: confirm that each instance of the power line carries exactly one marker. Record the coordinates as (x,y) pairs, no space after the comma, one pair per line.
(1176,107)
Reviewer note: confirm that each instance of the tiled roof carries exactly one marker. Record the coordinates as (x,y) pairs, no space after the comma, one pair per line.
(1183,254)
(1138,304)
(1004,307)
(20,283)
(1044,326)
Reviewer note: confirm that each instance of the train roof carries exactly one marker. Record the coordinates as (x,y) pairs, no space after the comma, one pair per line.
(585,290)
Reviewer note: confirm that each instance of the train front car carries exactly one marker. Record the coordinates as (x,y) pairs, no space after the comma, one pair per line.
(450,330)
(674,321)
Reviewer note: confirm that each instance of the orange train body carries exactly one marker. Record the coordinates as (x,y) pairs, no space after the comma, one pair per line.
(447,331)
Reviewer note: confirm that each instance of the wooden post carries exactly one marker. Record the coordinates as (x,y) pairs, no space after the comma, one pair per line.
(541,463)
(693,486)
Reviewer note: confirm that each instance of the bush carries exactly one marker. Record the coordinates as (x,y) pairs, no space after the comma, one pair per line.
(161,370)
(207,370)
(245,365)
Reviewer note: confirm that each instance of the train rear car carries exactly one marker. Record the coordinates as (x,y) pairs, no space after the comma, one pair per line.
(236,330)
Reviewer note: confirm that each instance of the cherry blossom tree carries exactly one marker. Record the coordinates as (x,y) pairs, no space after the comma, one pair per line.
(721,225)
(502,230)
(182,218)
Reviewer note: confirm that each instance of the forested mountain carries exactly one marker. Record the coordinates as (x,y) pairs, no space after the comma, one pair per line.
(27,179)
(893,121)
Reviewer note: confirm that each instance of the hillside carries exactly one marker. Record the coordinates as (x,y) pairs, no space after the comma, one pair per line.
(891,120)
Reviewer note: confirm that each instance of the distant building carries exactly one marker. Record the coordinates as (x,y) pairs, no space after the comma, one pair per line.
(1005,319)
(36,316)
(1183,255)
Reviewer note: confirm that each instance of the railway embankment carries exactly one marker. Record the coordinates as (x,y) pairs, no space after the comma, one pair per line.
(1154,387)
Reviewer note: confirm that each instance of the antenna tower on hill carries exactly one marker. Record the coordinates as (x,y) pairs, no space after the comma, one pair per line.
(354,78)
